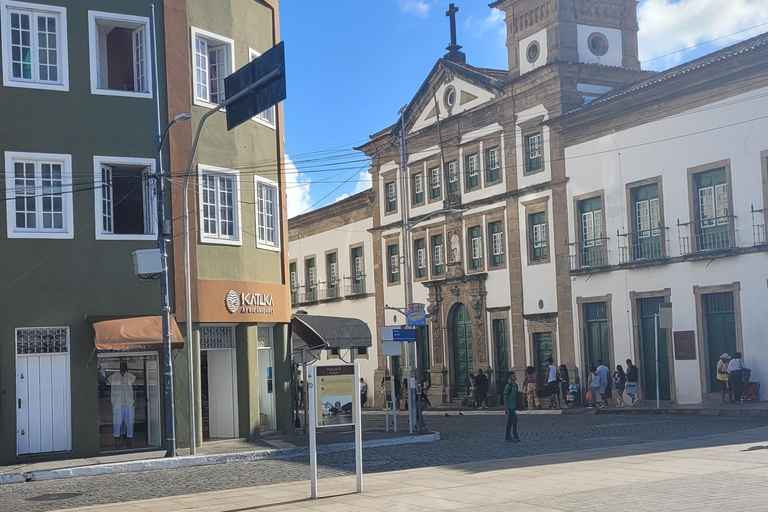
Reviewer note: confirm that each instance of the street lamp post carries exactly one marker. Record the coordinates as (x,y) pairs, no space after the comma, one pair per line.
(162,233)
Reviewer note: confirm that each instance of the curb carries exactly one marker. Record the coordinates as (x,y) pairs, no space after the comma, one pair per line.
(203,460)
(730,413)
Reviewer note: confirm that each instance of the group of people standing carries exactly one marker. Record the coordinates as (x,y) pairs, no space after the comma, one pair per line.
(732,375)
(623,382)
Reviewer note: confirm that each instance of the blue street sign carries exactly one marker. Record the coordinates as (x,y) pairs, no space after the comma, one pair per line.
(404,335)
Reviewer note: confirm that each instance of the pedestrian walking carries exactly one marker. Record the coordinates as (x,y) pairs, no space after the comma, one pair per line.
(594,388)
(531,388)
(722,378)
(619,383)
(565,383)
(363,392)
(603,371)
(631,386)
(481,387)
(510,408)
(425,385)
(736,370)
(552,387)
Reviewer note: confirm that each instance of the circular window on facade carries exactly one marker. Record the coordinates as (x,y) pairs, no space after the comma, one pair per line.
(533,51)
(450,97)
(598,44)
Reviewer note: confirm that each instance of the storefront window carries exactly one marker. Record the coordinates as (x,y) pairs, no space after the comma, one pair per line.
(129,401)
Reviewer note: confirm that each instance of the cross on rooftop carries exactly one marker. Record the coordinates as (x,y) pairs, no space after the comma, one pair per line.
(454,52)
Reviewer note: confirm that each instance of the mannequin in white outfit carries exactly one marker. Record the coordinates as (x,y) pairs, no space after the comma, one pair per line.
(121,385)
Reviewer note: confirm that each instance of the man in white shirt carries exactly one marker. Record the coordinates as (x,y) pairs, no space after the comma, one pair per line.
(121,386)
(736,373)
(603,372)
(552,387)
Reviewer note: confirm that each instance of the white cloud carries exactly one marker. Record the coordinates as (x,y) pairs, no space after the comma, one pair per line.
(667,26)
(493,22)
(297,189)
(363,183)
(418,8)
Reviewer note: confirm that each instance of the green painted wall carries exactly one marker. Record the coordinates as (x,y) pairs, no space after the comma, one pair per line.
(47,283)
(251,148)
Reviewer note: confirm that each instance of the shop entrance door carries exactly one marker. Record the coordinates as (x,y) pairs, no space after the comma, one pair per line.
(543,349)
(266,355)
(43,416)
(219,375)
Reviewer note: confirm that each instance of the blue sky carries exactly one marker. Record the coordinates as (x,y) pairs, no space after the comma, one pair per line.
(352,64)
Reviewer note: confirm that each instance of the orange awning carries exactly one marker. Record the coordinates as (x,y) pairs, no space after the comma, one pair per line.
(136,333)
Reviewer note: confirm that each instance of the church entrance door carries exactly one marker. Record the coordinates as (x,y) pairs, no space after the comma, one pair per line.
(462,349)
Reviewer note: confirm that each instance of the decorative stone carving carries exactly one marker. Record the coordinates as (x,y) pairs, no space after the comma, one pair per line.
(531,18)
(437,330)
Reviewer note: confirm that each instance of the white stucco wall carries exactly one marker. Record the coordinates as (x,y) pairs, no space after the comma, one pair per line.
(613,55)
(727,130)
(541,38)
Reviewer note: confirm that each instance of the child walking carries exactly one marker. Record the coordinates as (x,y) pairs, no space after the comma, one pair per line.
(619,382)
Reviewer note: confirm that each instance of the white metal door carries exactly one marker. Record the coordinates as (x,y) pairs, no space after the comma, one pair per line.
(267,389)
(222,394)
(43,414)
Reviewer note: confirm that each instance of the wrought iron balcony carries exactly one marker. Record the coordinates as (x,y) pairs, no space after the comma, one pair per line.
(356,286)
(589,253)
(715,234)
(309,294)
(645,245)
(329,291)
(758,226)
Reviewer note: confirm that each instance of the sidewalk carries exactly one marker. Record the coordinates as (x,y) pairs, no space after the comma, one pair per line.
(754,409)
(215,452)
(696,474)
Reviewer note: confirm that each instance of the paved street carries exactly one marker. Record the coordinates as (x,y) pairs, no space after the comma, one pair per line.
(468,438)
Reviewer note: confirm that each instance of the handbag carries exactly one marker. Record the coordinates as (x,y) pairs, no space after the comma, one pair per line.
(589,396)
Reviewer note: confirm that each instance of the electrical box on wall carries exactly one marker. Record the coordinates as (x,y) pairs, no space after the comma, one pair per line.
(147,261)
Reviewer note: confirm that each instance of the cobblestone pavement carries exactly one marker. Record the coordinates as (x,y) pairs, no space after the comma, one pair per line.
(467,438)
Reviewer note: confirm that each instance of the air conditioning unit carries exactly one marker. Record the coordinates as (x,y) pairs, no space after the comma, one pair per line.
(147,261)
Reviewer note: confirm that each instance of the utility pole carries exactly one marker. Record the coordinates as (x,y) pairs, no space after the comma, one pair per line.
(170,414)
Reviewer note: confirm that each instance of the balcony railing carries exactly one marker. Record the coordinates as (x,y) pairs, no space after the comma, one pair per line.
(643,245)
(309,294)
(329,291)
(356,286)
(589,253)
(713,234)
(758,226)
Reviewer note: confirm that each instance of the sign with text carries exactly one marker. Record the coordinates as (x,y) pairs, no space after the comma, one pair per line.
(404,335)
(417,316)
(235,301)
(335,395)
(665,315)
(685,345)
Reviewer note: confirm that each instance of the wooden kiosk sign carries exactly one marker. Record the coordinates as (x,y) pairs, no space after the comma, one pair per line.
(334,400)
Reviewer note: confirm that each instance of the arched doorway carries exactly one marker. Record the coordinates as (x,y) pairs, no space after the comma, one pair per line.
(461,324)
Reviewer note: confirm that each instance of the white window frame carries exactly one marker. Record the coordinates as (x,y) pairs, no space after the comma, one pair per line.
(498,245)
(439,254)
(421,258)
(493,159)
(453,175)
(264,244)
(260,117)
(473,164)
(435,177)
(208,36)
(211,239)
(62,46)
(359,268)
(391,197)
(418,183)
(394,264)
(68,232)
(477,248)
(124,19)
(98,162)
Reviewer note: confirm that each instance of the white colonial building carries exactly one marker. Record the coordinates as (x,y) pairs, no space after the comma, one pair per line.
(554,205)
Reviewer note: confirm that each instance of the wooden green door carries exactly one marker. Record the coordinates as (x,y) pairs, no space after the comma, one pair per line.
(596,336)
(646,309)
(462,349)
(542,348)
(719,332)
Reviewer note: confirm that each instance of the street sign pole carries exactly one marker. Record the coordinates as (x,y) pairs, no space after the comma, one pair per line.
(658,377)
(311,397)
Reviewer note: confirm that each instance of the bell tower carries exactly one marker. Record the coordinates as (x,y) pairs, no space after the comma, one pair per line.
(579,31)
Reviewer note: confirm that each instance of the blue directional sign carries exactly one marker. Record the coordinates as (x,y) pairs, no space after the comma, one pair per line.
(404,335)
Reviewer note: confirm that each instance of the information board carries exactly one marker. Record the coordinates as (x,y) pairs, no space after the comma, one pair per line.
(335,395)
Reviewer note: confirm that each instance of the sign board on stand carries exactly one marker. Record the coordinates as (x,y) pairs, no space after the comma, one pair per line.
(334,400)
(665,315)
(391,348)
